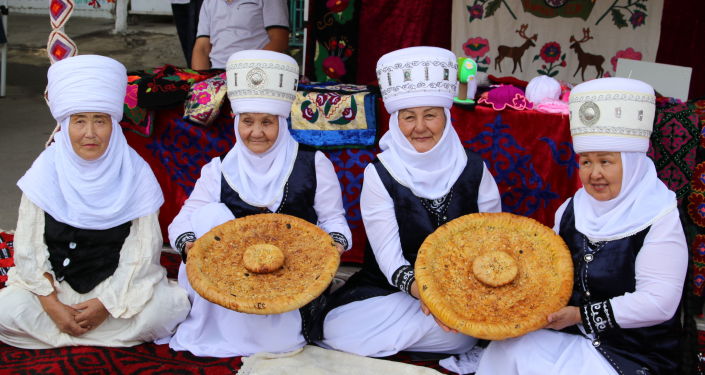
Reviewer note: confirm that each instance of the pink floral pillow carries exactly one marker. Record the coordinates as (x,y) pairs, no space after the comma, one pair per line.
(204,100)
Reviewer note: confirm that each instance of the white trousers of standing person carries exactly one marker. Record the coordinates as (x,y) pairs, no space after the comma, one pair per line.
(385,325)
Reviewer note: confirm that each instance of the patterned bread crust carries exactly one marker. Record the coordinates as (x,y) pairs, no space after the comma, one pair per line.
(216,271)
(449,288)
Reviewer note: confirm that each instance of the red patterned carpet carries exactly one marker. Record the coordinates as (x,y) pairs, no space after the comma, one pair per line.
(141,359)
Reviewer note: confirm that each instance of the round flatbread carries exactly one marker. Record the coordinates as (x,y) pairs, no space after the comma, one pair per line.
(262,264)
(494,275)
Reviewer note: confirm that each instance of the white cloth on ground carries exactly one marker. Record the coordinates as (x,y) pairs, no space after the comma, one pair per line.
(642,200)
(385,325)
(142,303)
(660,269)
(465,363)
(312,360)
(428,174)
(544,352)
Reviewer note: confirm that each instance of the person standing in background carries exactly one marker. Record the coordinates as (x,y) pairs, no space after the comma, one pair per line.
(186,19)
(229,26)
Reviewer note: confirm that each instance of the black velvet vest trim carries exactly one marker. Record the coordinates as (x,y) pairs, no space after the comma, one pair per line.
(83,257)
(416,221)
(605,270)
(299,192)
(298,199)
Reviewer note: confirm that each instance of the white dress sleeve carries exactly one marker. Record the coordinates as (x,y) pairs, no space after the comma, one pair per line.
(127,291)
(328,202)
(380,222)
(660,268)
(559,215)
(488,198)
(31,256)
(207,190)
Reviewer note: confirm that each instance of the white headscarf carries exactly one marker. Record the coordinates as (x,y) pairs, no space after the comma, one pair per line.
(117,187)
(428,174)
(259,179)
(642,200)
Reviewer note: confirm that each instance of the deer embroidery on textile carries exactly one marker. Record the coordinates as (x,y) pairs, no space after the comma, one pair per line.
(515,52)
(585,59)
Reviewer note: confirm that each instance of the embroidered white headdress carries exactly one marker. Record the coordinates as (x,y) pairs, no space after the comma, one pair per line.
(417,76)
(612,114)
(262,82)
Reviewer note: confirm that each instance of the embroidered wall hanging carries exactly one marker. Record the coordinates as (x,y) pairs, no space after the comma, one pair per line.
(571,40)
(333,35)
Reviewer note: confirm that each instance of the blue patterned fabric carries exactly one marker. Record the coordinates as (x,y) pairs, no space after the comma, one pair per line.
(334,116)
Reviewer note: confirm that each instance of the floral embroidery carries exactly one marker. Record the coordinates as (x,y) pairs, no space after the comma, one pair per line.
(486,8)
(332,57)
(203,98)
(699,244)
(635,9)
(696,209)
(628,53)
(336,110)
(637,19)
(551,54)
(698,182)
(334,67)
(477,48)
(131,96)
(336,6)
(699,280)
(476,12)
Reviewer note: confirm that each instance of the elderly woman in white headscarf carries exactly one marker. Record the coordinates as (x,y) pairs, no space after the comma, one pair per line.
(267,171)
(629,251)
(422,179)
(88,242)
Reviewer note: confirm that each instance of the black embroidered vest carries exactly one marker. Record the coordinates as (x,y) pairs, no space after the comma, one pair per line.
(605,270)
(83,257)
(416,219)
(299,191)
(298,199)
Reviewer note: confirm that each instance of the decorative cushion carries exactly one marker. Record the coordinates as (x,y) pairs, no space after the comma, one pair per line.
(205,99)
(334,115)
(135,118)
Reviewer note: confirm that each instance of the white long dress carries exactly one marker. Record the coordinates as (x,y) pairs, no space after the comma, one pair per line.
(211,330)
(142,304)
(383,326)
(660,268)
